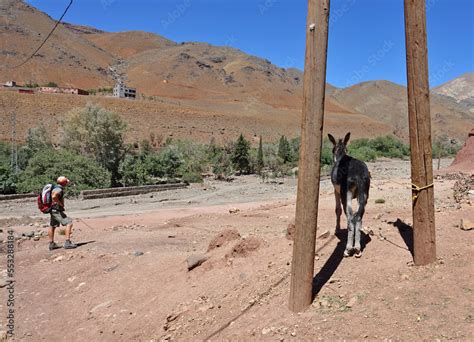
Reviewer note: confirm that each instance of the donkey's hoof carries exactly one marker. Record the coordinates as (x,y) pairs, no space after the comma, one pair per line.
(357,253)
(347,253)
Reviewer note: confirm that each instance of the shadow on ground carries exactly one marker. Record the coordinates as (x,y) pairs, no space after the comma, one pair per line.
(406,232)
(333,262)
(80,244)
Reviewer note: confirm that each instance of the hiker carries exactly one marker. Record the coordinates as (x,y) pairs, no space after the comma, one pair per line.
(58,216)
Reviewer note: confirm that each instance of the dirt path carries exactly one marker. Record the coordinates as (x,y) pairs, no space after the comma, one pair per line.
(130,281)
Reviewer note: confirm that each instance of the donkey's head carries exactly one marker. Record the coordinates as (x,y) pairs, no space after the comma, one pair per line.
(339,149)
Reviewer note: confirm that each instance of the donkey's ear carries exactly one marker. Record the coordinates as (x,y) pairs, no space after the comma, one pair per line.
(346,138)
(331,139)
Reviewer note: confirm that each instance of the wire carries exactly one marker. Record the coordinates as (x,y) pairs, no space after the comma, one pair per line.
(47,37)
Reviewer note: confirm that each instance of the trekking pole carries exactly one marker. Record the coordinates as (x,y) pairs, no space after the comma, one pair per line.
(79,219)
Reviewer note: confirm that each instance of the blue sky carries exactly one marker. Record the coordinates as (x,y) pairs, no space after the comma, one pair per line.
(366,38)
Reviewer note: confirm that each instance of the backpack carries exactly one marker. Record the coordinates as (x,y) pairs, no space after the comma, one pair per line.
(45,201)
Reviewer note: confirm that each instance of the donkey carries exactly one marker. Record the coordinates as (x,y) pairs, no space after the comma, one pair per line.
(351,179)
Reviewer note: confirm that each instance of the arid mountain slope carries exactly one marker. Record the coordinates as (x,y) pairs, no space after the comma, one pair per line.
(460,89)
(193,78)
(67,58)
(387,102)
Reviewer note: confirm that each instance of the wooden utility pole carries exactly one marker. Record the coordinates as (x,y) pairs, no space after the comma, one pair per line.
(420,133)
(302,268)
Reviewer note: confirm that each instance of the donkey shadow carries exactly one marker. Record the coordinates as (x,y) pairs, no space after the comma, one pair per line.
(333,262)
(406,232)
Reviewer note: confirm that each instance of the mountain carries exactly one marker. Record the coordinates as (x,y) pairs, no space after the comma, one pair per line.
(67,58)
(387,102)
(461,89)
(242,93)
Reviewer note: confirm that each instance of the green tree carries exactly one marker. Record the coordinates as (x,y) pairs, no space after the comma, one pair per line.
(240,156)
(98,133)
(37,139)
(47,165)
(51,84)
(171,160)
(284,150)
(260,163)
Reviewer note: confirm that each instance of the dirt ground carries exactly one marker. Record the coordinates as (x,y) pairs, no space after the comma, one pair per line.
(129,281)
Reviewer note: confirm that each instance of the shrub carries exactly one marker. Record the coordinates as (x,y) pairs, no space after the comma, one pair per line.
(390,147)
(171,159)
(7,179)
(47,165)
(370,149)
(51,84)
(133,171)
(326,152)
(192,177)
(222,164)
(443,147)
(364,153)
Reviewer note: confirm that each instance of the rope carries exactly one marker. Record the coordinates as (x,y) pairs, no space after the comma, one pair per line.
(418,189)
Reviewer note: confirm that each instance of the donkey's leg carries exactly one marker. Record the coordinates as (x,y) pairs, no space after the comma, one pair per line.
(350,224)
(338,209)
(358,227)
(358,224)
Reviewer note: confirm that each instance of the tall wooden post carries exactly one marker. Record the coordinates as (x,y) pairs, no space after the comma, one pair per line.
(420,133)
(302,268)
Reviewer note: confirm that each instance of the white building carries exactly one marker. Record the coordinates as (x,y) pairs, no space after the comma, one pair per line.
(10,84)
(120,90)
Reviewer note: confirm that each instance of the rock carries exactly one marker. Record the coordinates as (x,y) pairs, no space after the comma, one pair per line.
(36,238)
(58,258)
(466,225)
(101,305)
(351,302)
(195,260)
(138,253)
(234,210)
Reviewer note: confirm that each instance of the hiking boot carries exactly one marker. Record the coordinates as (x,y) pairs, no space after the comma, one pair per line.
(53,245)
(69,245)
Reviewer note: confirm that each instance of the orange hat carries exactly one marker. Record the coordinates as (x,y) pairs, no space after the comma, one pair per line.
(63,181)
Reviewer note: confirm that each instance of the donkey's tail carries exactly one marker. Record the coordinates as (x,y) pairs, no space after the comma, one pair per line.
(362,197)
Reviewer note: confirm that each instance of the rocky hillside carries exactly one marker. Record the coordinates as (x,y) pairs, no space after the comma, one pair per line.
(461,89)
(387,102)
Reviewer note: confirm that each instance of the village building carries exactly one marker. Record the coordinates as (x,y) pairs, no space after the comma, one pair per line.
(58,90)
(10,84)
(122,91)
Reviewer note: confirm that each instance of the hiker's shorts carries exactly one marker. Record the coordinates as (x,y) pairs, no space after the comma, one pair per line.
(59,218)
